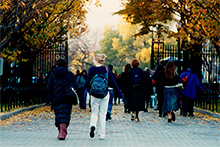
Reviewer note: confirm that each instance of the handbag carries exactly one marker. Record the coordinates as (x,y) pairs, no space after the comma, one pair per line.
(71,94)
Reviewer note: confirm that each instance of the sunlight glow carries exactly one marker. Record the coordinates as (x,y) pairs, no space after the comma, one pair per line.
(99,17)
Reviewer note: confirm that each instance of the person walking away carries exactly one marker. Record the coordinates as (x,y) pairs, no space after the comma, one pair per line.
(111,97)
(115,75)
(124,88)
(158,78)
(189,93)
(58,79)
(136,83)
(171,91)
(148,90)
(97,82)
(77,73)
(82,93)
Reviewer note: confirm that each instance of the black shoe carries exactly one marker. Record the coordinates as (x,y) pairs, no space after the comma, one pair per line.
(165,114)
(145,110)
(173,116)
(191,114)
(160,115)
(108,116)
(169,121)
(184,114)
(92,134)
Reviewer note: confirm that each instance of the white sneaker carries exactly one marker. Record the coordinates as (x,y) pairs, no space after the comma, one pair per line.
(101,137)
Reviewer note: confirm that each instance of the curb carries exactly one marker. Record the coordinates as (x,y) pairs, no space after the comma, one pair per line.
(206,112)
(6,116)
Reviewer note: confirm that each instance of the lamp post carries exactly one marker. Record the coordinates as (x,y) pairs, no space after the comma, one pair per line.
(155,54)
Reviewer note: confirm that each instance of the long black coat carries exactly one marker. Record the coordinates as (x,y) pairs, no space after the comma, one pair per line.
(136,95)
(56,87)
(57,79)
(148,87)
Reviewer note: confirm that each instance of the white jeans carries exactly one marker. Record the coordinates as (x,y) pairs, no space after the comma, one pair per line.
(99,109)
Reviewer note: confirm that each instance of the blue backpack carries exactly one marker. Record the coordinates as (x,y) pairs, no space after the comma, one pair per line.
(136,78)
(99,85)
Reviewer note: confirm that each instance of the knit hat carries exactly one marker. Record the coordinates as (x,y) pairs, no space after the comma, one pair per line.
(100,58)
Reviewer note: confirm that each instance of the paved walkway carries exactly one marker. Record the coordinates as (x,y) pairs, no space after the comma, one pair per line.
(36,128)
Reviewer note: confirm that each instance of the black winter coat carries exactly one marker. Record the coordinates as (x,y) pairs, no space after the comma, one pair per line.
(149,87)
(136,95)
(57,79)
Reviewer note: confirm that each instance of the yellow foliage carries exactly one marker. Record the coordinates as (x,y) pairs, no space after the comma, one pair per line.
(127,30)
(43,22)
(4,4)
(144,55)
(115,43)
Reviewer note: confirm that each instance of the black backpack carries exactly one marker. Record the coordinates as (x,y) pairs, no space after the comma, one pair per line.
(99,85)
(136,78)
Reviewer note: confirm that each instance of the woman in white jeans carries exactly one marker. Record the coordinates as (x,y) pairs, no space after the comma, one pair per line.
(99,109)
(99,105)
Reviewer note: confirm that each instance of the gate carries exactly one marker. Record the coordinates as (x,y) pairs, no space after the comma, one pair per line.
(23,84)
(161,53)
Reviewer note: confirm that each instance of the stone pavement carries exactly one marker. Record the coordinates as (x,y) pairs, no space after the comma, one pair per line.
(36,129)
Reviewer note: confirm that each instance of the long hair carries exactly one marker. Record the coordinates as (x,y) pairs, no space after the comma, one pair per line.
(170,70)
(84,71)
(127,67)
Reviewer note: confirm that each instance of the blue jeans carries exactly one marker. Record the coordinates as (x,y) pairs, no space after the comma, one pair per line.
(110,103)
(170,99)
(82,97)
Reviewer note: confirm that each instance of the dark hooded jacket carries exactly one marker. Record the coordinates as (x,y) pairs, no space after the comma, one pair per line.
(56,85)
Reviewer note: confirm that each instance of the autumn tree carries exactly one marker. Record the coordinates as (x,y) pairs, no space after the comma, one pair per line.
(198,19)
(106,46)
(146,13)
(201,22)
(29,26)
(81,48)
(121,47)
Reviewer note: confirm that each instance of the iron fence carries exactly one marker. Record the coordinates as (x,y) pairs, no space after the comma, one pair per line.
(210,70)
(211,79)
(22,85)
(211,99)
(16,96)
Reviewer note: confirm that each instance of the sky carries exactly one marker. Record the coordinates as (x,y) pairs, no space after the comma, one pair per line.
(98,17)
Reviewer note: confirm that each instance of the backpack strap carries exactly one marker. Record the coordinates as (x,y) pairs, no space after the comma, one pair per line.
(106,75)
